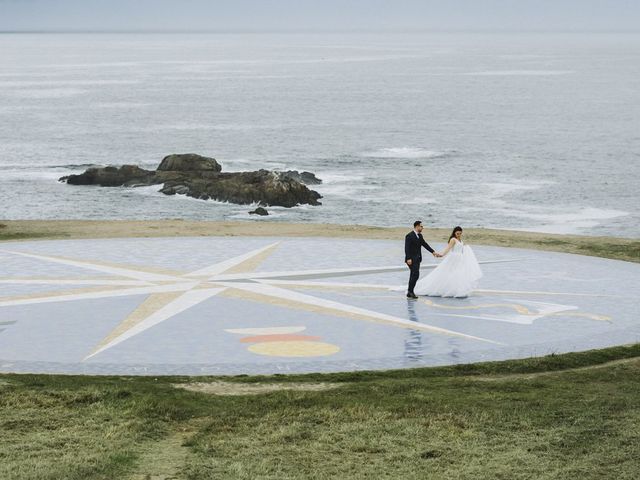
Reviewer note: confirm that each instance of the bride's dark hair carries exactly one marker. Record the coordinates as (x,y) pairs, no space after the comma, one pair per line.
(453,234)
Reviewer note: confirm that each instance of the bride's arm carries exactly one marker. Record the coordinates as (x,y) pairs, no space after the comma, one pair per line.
(452,242)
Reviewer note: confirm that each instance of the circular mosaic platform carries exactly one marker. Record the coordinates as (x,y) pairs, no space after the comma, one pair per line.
(247,305)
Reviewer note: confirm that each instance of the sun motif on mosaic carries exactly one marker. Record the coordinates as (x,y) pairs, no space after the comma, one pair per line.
(284,342)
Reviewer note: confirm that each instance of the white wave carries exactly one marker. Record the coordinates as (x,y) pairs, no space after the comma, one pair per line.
(227,76)
(64,66)
(119,105)
(509,73)
(405,152)
(420,201)
(151,190)
(525,56)
(568,221)
(339,177)
(499,190)
(63,83)
(21,108)
(30,175)
(211,126)
(44,93)
(494,193)
(75,166)
(239,161)
(358,193)
(342,184)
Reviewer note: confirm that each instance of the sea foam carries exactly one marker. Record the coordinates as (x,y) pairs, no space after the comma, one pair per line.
(405,152)
(508,73)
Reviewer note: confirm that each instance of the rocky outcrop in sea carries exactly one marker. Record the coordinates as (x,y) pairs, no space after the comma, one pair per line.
(202,177)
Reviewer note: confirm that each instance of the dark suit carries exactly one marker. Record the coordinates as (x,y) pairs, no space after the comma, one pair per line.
(413,251)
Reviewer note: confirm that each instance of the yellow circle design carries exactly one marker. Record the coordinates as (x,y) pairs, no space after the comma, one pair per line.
(294,349)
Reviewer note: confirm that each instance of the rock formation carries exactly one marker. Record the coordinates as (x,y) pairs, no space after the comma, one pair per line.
(202,177)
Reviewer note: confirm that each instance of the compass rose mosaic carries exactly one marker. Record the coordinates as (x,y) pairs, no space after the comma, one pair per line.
(232,305)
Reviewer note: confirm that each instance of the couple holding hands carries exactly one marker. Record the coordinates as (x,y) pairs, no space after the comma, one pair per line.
(456,276)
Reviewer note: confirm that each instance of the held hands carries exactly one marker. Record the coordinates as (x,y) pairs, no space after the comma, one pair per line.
(435,254)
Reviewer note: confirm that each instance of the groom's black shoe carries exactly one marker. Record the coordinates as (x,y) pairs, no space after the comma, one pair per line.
(412,295)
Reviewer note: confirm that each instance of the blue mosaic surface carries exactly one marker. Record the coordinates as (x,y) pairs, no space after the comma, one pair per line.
(146,306)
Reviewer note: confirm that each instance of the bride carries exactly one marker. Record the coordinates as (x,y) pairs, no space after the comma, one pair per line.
(457,275)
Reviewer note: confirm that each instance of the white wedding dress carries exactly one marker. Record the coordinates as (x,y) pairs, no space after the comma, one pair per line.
(456,276)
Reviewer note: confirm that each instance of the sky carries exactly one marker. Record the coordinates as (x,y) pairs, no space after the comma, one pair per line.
(278,15)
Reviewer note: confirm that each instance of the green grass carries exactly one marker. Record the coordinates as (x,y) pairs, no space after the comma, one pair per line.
(630,251)
(562,416)
(7,233)
(20,235)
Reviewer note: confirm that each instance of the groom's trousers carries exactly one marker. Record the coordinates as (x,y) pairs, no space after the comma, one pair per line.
(414,275)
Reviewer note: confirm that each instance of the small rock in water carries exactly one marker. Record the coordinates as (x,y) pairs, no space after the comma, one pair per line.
(259,211)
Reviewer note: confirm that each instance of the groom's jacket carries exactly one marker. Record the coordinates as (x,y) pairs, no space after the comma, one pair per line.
(413,247)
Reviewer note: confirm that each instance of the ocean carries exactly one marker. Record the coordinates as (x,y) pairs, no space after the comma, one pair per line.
(536,131)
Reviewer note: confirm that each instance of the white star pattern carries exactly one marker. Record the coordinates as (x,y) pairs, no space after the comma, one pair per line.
(170,294)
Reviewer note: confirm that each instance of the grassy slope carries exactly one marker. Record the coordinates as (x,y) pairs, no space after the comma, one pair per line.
(564,416)
(610,247)
(480,421)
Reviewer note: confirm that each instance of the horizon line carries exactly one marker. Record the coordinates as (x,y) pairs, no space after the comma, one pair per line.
(312,30)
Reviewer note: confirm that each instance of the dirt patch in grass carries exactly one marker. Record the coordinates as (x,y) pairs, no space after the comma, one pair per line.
(233,388)
(161,460)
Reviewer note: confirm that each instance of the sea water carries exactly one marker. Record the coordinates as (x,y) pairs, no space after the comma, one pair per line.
(535,132)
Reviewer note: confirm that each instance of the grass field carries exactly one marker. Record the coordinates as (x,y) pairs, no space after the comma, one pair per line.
(558,417)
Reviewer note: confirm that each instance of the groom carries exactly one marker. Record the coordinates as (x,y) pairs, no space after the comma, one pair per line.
(413,244)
